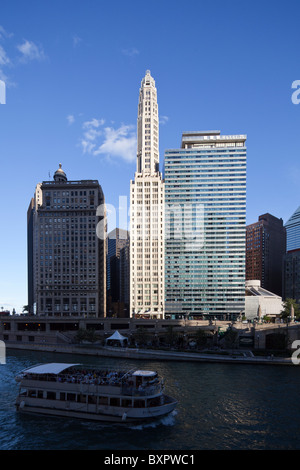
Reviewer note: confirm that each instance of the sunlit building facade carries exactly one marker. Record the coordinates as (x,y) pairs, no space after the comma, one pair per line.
(67,248)
(205,214)
(146,211)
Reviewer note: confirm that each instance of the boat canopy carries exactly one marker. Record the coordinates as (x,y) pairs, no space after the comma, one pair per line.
(144,373)
(50,368)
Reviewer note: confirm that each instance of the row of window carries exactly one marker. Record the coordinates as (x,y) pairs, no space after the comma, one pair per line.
(90,399)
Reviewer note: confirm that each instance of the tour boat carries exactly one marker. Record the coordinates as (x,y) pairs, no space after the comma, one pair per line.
(76,391)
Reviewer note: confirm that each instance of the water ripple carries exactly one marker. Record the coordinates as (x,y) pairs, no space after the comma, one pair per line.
(220,406)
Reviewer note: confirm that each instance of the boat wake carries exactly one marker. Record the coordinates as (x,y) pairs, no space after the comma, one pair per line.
(168,420)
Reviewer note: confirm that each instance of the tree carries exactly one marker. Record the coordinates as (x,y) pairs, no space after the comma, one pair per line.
(171,336)
(141,336)
(25,308)
(286,312)
(201,337)
(86,335)
(231,338)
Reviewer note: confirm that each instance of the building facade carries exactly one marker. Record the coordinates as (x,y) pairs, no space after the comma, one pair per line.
(66,248)
(291,261)
(291,281)
(147,211)
(125,277)
(265,248)
(117,240)
(293,231)
(205,210)
(260,302)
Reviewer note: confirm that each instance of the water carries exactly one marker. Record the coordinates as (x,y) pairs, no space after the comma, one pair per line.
(221,407)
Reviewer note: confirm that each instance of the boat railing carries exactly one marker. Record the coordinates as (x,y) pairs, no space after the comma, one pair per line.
(106,378)
(84,381)
(142,391)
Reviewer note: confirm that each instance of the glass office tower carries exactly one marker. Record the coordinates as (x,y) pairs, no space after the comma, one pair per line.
(291,260)
(205,223)
(293,231)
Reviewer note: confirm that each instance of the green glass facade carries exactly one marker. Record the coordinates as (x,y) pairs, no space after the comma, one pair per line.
(205,223)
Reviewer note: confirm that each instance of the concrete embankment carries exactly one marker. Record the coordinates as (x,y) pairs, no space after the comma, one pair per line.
(150,354)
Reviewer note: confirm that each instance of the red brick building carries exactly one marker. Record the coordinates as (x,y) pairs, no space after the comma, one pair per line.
(265,248)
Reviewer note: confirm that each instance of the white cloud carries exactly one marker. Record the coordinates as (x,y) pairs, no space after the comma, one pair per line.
(76,40)
(131,52)
(4,33)
(4,60)
(30,51)
(163,119)
(120,143)
(91,133)
(87,146)
(3,77)
(70,119)
(93,123)
(110,142)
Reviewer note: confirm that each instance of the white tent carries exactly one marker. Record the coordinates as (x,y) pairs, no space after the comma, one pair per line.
(117,338)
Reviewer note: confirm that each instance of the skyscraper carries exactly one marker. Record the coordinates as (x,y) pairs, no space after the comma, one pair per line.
(291,262)
(265,248)
(293,231)
(146,211)
(66,257)
(117,239)
(205,210)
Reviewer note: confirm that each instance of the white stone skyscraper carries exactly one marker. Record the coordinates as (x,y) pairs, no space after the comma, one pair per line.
(147,211)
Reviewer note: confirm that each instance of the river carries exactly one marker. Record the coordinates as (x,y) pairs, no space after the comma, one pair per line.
(220,407)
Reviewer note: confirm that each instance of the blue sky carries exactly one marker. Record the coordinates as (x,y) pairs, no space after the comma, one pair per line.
(73,69)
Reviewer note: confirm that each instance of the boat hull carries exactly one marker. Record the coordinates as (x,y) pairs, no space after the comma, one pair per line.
(105,414)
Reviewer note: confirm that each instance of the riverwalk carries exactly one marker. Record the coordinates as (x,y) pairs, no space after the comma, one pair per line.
(232,357)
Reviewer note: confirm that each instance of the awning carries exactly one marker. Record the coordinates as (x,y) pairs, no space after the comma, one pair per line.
(116,336)
(50,368)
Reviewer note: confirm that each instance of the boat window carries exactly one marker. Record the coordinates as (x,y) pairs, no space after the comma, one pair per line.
(126,402)
(51,395)
(139,403)
(81,398)
(103,400)
(71,396)
(92,399)
(115,401)
(62,396)
(139,381)
(154,401)
(40,394)
(32,393)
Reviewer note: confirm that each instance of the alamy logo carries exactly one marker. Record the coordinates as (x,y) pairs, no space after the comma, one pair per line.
(296,94)
(2,92)
(2,353)
(295,358)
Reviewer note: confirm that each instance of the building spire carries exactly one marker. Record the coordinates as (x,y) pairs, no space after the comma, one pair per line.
(148,127)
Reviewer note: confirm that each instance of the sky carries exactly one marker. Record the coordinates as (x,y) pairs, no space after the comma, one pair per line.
(72,72)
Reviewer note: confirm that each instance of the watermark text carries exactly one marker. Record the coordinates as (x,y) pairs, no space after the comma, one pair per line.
(295,358)
(2,353)
(296,94)
(2,92)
